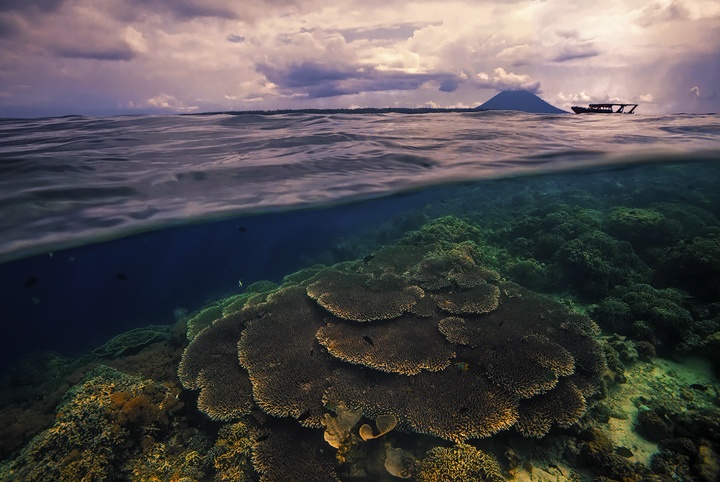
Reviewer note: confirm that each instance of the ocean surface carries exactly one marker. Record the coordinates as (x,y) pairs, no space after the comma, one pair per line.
(113,224)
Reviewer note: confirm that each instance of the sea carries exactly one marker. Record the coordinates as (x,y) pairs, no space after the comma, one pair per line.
(114,224)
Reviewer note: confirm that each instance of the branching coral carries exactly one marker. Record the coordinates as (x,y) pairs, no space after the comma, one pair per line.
(96,427)
(459,463)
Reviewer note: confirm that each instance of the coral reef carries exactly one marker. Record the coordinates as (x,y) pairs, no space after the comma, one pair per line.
(643,228)
(284,361)
(655,316)
(459,463)
(232,453)
(337,428)
(519,345)
(96,427)
(133,341)
(390,346)
(360,297)
(285,452)
(210,364)
(693,266)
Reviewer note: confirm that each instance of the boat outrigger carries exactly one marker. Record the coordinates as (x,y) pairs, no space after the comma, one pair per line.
(604,109)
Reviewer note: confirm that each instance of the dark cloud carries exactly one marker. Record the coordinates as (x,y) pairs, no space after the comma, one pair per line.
(116,53)
(572,52)
(236,39)
(317,80)
(9,26)
(398,31)
(189,9)
(30,5)
(449,85)
(306,74)
(569,34)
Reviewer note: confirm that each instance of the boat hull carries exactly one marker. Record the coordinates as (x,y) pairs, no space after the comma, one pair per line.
(604,109)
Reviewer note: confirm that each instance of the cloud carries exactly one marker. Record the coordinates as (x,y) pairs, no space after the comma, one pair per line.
(170,103)
(76,55)
(519,55)
(575,51)
(449,85)
(119,53)
(572,99)
(318,80)
(502,80)
(399,31)
(30,5)
(661,12)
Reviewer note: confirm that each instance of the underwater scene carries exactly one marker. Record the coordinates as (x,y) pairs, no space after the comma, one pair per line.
(448,297)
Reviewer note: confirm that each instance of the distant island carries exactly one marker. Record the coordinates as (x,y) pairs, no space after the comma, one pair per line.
(520,100)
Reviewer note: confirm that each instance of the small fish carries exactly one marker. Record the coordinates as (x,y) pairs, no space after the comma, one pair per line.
(240,283)
(121,276)
(462,366)
(368,339)
(31,281)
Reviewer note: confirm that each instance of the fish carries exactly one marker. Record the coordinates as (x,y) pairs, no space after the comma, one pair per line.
(240,283)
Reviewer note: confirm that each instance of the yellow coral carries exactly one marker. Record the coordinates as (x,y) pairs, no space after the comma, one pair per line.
(459,463)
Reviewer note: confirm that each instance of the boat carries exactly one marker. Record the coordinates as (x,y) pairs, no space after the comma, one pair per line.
(604,109)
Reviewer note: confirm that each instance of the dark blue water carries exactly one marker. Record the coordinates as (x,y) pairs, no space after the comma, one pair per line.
(107,224)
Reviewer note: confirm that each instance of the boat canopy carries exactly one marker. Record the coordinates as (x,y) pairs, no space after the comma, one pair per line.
(609,107)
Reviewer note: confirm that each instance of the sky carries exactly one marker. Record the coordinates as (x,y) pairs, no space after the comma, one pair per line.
(64,57)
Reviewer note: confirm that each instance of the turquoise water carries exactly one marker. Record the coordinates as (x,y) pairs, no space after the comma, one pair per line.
(114,224)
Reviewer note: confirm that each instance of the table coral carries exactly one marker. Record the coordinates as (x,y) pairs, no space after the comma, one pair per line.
(210,364)
(304,347)
(390,346)
(361,297)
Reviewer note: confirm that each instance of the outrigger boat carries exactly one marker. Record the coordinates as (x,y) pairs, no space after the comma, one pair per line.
(604,109)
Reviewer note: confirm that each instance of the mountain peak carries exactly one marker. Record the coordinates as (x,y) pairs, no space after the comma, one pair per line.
(520,100)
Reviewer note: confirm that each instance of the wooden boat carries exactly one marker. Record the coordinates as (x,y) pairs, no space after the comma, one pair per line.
(604,109)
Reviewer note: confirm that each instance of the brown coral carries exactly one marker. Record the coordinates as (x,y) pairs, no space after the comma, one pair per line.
(448,404)
(404,345)
(563,406)
(361,297)
(480,299)
(210,363)
(459,463)
(520,355)
(531,368)
(289,453)
(287,366)
(456,330)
